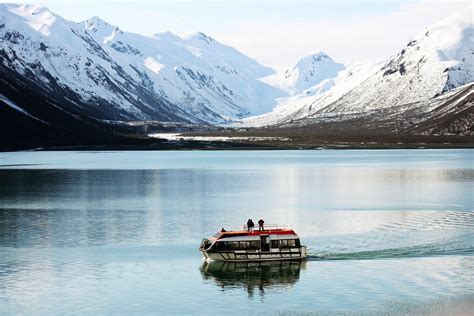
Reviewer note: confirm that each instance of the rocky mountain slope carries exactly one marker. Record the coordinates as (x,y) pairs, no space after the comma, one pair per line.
(434,62)
(450,113)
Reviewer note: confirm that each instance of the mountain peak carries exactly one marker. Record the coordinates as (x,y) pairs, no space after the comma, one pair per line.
(97,23)
(198,36)
(101,30)
(444,48)
(25,9)
(310,71)
(313,59)
(307,72)
(166,35)
(435,62)
(449,36)
(96,19)
(39,18)
(318,53)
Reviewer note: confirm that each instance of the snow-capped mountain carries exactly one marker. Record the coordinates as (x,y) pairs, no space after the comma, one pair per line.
(126,76)
(210,80)
(437,60)
(62,80)
(315,69)
(327,91)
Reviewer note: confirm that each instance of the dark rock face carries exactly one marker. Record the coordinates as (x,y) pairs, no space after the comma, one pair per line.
(449,116)
(125,48)
(49,121)
(462,126)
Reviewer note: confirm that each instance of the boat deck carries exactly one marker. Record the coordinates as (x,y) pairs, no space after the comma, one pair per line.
(268,230)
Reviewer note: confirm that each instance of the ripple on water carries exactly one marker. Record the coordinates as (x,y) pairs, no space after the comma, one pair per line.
(387,232)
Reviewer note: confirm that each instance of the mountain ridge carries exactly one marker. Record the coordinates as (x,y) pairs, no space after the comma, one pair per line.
(435,61)
(91,74)
(106,64)
(306,73)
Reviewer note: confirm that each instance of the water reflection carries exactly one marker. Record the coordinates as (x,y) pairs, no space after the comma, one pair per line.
(125,241)
(103,207)
(253,276)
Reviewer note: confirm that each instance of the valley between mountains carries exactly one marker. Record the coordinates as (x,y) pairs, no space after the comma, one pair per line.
(90,84)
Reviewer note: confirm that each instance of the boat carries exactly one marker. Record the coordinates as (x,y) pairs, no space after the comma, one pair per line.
(272,243)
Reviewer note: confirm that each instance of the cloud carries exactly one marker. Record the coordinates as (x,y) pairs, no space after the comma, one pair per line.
(281,44)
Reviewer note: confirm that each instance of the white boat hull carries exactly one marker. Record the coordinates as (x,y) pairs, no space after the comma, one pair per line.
(247,255)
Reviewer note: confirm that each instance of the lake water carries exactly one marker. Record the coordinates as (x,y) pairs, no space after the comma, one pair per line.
(388,231)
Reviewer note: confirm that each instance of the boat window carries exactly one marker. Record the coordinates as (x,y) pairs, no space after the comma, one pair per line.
(274,243)
(283,243)
(244,245)
(234,245)
(254,245)
(297,241)
(222,245)
(291,243)
(206,243)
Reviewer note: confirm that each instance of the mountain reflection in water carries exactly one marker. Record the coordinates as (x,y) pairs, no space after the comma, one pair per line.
(278,275)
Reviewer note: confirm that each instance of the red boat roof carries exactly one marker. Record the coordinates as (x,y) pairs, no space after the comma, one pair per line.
(277,231)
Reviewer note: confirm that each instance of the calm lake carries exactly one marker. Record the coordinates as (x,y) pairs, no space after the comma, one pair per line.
(388,231)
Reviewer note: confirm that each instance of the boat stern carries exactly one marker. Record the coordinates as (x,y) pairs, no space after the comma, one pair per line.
(304,252)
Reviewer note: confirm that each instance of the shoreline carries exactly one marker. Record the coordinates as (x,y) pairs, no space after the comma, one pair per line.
(265,139)
(221,146)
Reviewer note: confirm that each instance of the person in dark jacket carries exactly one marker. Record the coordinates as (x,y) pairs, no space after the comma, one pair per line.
(260,224)
(250,225)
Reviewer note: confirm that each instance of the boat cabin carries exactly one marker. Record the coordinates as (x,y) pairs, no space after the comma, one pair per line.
(273,243)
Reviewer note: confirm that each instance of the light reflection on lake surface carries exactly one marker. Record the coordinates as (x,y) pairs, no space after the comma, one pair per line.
(117,232)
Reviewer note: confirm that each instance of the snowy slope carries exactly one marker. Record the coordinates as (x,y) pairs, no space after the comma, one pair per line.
(127,76)
(437,60)
(306,73)
(101,71)
(210,80)
(326,92)
(450,113)
(41,46)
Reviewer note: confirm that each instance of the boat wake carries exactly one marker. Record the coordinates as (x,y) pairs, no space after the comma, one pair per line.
(422,234)
(394,253)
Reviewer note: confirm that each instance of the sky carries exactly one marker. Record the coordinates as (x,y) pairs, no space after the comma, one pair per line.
(277,33)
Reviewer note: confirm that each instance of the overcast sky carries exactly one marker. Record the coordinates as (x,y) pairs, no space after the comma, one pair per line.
(275,32)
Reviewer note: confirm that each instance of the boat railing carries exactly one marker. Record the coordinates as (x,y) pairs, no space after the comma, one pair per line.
(271,227)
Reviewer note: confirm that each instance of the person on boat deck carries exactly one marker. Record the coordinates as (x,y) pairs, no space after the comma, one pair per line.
(223,230)
(260,224)
(250,225)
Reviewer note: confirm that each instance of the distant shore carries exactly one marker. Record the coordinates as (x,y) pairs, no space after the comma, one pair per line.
(246,146)
(252,139)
